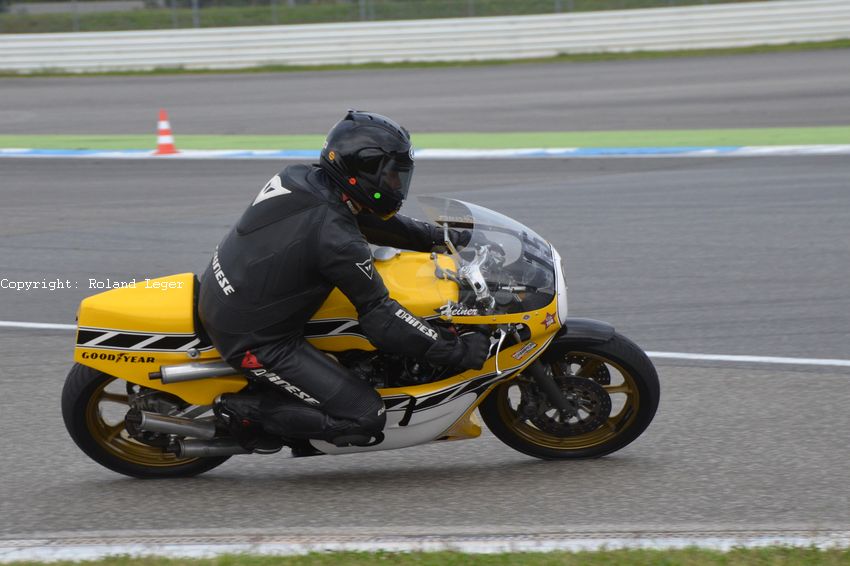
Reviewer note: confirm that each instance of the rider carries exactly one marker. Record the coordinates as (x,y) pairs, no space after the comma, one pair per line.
(304,234)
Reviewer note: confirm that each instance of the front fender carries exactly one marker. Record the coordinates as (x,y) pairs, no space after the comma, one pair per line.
(580,331)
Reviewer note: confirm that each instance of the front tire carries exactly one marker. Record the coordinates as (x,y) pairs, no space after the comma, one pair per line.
(613,385)
(93,418)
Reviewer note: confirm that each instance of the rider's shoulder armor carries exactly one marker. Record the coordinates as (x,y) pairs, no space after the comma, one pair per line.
(287,194)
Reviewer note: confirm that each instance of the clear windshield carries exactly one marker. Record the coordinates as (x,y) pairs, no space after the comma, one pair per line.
(515,263)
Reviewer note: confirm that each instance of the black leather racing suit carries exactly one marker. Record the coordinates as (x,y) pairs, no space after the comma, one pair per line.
(294,244)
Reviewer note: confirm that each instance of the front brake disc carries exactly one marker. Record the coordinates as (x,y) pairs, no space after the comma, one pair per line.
(591,407)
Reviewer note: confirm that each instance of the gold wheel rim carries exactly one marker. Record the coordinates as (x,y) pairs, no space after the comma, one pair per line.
(113,437)
(613,427)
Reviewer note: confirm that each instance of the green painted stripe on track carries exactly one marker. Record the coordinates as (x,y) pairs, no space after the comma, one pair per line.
(461,140)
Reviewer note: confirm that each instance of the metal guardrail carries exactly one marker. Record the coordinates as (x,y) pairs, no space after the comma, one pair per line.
(462,39)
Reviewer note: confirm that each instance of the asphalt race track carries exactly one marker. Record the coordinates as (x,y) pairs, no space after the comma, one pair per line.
(732,256)
(768,90)
(742,256)
(717,256)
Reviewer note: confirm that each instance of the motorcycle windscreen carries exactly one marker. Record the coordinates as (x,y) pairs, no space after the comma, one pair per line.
(526,278)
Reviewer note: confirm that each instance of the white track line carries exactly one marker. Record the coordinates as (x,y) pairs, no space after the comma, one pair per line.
(826,362)
(206,547)
(39,325)
(750,359)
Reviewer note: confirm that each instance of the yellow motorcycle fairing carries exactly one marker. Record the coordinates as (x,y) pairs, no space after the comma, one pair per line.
(129,332)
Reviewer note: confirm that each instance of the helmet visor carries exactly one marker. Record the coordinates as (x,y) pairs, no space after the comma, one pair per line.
(396,177)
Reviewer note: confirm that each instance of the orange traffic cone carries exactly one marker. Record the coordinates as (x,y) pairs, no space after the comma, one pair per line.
(164,139)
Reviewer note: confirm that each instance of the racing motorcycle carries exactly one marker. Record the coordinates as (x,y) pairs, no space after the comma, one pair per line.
(139,399)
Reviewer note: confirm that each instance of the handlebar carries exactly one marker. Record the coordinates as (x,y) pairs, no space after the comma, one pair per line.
(470,272)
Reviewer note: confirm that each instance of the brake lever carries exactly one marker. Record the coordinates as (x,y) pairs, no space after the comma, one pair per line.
(502,336)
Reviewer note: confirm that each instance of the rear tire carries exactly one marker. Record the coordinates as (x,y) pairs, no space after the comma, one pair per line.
(107,443)
(632,387)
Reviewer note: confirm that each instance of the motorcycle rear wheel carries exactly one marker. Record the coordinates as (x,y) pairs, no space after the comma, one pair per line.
(633,393)
(104,438)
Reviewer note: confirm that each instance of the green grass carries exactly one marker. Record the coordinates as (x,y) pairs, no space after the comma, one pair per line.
(239,13)
(772,556)
(563,58)
(460,140)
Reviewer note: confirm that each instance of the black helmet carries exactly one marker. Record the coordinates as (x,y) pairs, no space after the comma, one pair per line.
(371,158)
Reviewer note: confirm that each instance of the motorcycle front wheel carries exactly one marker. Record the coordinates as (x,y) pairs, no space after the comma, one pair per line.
(93,407)
(612,389)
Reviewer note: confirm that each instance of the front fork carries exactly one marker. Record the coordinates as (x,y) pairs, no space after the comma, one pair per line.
(549,388)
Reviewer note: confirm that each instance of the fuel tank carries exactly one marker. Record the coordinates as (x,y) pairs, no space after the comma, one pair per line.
(411,280)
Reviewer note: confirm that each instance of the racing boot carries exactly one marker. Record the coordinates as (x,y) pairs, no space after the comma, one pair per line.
(301,448)
(295,421)
(242,416)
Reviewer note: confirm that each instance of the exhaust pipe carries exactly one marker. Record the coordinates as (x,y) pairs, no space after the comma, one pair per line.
(208,448)
(143,420)
(202,445)
(192,372)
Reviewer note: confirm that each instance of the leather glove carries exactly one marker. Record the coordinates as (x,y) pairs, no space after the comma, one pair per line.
(460,239)
(467,352)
